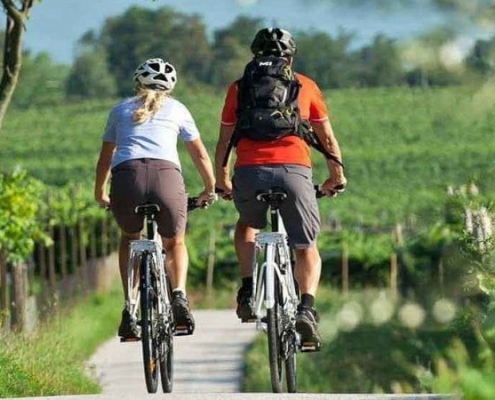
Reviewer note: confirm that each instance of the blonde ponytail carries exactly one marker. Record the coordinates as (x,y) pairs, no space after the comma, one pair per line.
(151,102)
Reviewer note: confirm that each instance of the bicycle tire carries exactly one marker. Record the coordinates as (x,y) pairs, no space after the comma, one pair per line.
(288,337)
(274,345)
(167,349)
(148,324)
(290,363)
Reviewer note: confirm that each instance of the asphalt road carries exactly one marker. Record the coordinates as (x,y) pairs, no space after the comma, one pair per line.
(208,366)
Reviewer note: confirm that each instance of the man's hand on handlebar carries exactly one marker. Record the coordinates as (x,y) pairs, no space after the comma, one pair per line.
(333,187)
(224,190)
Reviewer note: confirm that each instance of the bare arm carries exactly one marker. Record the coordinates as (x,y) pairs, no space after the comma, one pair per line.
(103,173)
(202,161)
(327,137)
(223,171)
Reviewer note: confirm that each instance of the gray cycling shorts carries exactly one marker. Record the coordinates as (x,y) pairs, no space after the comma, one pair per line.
(143,180)
(299,210)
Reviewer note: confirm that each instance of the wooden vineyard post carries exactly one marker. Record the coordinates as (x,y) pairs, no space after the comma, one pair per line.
(398,241)
(345,268)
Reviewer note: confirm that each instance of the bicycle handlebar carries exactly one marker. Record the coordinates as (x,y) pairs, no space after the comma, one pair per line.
(319,193)
(335,191)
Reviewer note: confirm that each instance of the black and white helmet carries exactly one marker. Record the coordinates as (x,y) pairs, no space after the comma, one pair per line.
(156,74)
(273,42)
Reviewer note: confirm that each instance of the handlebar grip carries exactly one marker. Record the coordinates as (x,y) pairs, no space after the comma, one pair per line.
(336,190)
(318,192)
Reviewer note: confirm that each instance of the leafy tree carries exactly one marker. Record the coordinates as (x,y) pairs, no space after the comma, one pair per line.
(90,77)
(140,33)
(17,12)
(231,50)
(41,81)
(380,63)
(325,59)
(481,59)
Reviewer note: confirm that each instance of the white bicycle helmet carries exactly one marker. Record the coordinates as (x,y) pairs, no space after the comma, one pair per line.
(156,74)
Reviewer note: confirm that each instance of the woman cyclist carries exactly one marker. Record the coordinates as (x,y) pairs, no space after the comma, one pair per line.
(139,153)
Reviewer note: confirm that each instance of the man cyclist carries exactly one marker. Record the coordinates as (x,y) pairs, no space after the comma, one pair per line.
(285,163)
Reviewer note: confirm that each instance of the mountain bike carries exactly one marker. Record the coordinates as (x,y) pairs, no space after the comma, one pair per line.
(276,295)
(149,292)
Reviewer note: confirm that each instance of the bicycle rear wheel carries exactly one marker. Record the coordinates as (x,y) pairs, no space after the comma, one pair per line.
(274,345)
(149,325)
(167,349)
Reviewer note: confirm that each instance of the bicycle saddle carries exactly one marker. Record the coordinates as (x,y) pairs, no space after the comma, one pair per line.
(274,196)
(147,209)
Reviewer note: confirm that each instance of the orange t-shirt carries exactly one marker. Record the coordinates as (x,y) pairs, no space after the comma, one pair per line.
(288,150)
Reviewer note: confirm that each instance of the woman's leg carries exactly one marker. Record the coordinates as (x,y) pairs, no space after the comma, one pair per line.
(177,260)
(124,246)
(176,263)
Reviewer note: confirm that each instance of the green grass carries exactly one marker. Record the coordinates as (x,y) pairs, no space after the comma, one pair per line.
(51,360)
(366,348)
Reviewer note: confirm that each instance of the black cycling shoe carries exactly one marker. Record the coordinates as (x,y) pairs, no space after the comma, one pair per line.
(128,329)
(183,319)
(307,326)
(244,310)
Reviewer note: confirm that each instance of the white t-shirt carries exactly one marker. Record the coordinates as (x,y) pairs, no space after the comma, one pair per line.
(155,138)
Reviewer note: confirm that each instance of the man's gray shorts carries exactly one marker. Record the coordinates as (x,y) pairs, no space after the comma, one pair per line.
(299,211)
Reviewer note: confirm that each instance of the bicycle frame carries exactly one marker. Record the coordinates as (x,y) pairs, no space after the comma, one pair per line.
(152,245)
(264,275)
(274,244)
(275,299)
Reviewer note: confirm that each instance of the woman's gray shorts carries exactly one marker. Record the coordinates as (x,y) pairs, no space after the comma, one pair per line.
(143,180)
(299,210)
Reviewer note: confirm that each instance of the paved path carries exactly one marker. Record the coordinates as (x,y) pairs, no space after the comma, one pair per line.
(209,361)
(208,366)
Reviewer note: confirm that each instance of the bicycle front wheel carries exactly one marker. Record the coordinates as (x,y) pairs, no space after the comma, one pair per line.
(149,325)
(167,349)
(274,347)
(290,361)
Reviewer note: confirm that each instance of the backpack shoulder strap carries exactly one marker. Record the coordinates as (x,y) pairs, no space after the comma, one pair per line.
(307,133)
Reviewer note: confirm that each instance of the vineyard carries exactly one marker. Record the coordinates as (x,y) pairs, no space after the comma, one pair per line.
(417,162)
(403,148)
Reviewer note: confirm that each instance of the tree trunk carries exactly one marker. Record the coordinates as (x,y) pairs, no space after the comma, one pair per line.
(12,57)
(4,298)
(19,295)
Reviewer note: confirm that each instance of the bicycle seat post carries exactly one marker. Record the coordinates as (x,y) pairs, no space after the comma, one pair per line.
(148,211)
(274,216)
(274,198)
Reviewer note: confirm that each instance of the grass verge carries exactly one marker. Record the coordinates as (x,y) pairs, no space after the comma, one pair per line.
(51,361)
(367,348)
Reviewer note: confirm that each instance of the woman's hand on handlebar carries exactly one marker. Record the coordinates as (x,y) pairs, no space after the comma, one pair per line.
(206,198)
(103,200)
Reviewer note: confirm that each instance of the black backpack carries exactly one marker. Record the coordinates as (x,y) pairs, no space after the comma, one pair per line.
(267,105)
(267,100)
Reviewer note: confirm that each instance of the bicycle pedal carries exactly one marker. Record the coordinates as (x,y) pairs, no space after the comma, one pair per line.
(183,330)
(307,347)
(128,340)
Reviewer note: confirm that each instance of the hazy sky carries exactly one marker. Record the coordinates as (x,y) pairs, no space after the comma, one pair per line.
(56,25)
